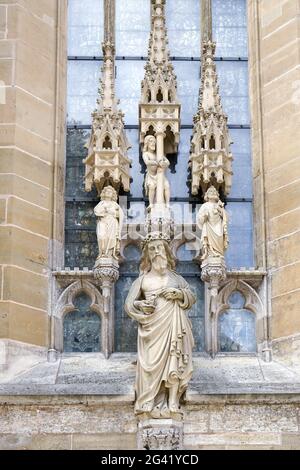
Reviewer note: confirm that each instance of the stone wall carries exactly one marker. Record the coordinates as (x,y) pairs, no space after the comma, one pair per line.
(32,116)
(274,40)
(214,422)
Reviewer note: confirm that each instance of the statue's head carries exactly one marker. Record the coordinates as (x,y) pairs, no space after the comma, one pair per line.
(109,194)
(156,253)
(211,195)
(149,143)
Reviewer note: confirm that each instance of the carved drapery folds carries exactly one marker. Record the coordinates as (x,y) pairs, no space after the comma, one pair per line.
(107,161)
(211,158)
(212,221)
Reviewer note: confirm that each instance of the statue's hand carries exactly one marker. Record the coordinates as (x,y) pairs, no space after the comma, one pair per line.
(172,293)
(147,306)
(164,163)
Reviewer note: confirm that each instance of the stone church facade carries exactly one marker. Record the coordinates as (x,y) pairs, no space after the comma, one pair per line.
(226,115)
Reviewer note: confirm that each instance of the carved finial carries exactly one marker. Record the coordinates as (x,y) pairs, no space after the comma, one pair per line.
(211,158)
(107,161)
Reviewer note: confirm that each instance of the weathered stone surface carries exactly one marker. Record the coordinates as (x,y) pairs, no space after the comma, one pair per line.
(103,441)
(25,287)
(256,418)
(223,440)
(15,241)
(35,442)
(25,189)
(28,216)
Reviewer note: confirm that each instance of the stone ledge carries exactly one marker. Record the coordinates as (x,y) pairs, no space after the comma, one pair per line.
(13,395)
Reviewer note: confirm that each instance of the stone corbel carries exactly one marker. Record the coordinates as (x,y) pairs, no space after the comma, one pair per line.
(213,273)
(106,271)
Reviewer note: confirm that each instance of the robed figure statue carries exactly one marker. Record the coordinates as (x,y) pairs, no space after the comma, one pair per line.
(109,223)
(212,221)
(159,300)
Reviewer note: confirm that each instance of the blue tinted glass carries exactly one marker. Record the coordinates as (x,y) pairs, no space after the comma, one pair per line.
(230,27)
(236,328)
(82,327)
(183,24)
(242,166)
(132,252)
(85,27)
(186,252)
(236,300)
(129,75)
(233,81)
(240,251)
(83,83)
(188,83)
(132,27)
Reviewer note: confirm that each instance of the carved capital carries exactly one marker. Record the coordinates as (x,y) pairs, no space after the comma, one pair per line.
(106,270)
(213,270)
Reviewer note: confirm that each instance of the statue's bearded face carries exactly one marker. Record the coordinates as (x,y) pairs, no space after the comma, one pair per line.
(157,254)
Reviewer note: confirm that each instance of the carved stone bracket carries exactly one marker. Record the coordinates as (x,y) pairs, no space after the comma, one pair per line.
(106,270)
(214,273)
(162,434)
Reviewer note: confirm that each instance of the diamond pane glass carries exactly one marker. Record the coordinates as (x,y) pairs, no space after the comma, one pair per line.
(230,27)
(83,83)
(233,81)
(240,251)
(242,167)
(183,24)
(82,327)
(85,27)
(129,75)
(132,27)
(188,83)
(75,171)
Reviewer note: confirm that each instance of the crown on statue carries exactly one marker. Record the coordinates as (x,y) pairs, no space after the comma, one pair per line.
(152,236)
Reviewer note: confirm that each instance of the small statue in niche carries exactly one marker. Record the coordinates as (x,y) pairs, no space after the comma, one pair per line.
(156,188)
(109,223)
(212,221)
(158,300)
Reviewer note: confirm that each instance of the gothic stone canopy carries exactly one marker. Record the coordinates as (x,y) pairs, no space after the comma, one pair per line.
(159,106)
(107,161)
(211,158)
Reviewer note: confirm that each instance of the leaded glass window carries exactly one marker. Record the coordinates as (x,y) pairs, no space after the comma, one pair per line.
(82,327)
(236,327)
